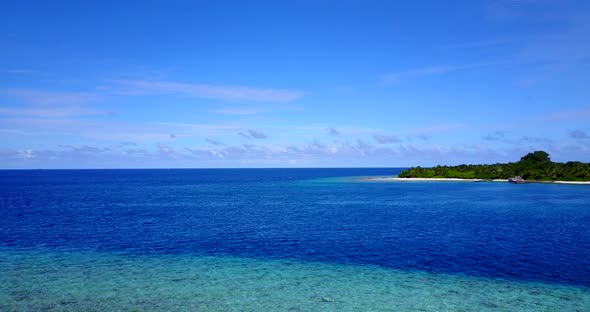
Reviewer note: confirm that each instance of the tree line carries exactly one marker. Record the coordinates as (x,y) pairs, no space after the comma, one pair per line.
(533,166)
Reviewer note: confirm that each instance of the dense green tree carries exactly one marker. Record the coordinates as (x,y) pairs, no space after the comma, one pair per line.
(536,157)
(533,166)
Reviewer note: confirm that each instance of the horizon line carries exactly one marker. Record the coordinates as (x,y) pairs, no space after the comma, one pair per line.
(199,168)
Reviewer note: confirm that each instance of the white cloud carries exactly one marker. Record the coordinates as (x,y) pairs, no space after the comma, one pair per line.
(580,114)
(310,154)
(482,44)
(22,71)
(166,151)
(579,134)
(385,139)
(253,134)
(397,76)
(37,97)
(27,154)
(495,136)
(238,111)
(219,92)
(216,143)
(52,112)
(333,132)
(419,136)
(51,104)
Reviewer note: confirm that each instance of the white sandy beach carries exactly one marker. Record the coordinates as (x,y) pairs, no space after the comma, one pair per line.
(396,179)
(568,182)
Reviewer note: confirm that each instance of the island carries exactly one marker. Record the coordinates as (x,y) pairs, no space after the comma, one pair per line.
(533,167)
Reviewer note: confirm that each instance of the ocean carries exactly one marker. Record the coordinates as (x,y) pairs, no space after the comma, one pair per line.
(288,240)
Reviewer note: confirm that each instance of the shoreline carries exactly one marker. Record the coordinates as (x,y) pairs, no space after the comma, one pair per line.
(396,179)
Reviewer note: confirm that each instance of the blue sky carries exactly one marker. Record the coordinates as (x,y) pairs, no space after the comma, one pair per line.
(142,84)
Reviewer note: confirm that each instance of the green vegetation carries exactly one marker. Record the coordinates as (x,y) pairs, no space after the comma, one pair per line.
(533,166)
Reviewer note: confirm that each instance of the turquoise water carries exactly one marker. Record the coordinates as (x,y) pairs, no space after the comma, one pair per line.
(42,281)
(288,240)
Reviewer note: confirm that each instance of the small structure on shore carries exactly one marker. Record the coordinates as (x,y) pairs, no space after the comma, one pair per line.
(517,180)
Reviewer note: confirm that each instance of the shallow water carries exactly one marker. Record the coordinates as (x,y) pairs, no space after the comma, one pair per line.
(288,240)
(99,282)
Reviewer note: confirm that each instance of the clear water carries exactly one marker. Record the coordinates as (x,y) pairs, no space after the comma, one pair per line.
(288,240)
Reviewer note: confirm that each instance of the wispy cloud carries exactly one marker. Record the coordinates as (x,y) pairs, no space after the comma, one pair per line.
(579,114)
(437,128)
(523,140)
(540,11)
(395,77)
(479,44)
(86,149)
(333,132)
(545,54)
(22,71)
(108,130)
(495,136)
(37,97)
(50,104)
(420,136)
(385,139)
(310,153)
(530,139)
(552,54)
(218,92)
(253,134)
(238,111)
(215,143)
(579,134)
(565,47)
(52,112)
(556,46)
(165,151)
(502,10)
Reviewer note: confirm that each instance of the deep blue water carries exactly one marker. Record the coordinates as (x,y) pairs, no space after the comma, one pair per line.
(531,232)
